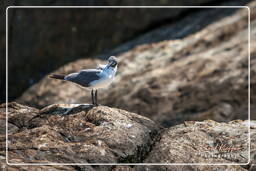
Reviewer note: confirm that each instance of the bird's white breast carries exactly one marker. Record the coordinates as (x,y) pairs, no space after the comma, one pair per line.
(106,79)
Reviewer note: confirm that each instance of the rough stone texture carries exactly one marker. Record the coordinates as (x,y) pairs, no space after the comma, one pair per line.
(76,134)
(41,40)
(198,138)
(181,168)
(201,76)
(85,134)
(193,142)
(252,168)
(253,144)
(202,142)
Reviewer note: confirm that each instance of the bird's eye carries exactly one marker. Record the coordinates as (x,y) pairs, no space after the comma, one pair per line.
(113,63)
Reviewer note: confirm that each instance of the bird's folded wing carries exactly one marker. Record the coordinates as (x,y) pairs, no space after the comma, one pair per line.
(84,77)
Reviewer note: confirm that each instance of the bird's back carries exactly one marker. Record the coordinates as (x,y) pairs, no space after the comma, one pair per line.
(84,77)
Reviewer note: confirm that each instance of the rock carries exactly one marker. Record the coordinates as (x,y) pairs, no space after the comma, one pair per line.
(36,168)
(181,168)
(76,134)
(202,142)
(253,145)
(59,36)
(65,133)
(203,75)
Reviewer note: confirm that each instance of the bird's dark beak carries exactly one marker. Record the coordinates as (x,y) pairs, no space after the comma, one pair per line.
(111,64)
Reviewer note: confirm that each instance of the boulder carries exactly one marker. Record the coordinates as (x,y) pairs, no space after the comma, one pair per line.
(203,142)
(203,75)
(62,133)
(81,133)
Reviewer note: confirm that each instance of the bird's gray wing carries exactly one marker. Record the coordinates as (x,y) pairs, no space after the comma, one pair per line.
(84,77)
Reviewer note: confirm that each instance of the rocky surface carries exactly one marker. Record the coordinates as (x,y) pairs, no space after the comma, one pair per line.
(202,142)
(65,133)
(76,134)
(182,168)
(203,75)
(253,147)
(59,36)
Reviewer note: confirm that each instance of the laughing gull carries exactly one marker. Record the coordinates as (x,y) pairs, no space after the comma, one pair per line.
(92,79)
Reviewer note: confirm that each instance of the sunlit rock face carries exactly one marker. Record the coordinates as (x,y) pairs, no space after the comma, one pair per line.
(76,134)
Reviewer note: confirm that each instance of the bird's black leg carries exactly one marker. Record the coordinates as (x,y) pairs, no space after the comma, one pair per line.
(96,100)
(92,97)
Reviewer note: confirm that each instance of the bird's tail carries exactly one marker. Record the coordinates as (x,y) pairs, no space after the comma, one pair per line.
(56,76)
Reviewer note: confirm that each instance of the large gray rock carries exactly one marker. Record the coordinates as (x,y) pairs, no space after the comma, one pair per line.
(201,76)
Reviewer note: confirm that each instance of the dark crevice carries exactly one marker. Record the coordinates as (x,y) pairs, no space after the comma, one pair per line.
(144,150)
(66,138)
(20,149)
(76,167)
(13,123)
(156,138)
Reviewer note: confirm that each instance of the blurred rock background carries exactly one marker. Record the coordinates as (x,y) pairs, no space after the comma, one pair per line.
(174,73)
(175,64)
(42,40)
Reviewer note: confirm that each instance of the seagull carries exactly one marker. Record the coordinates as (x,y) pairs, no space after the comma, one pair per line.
(92,79)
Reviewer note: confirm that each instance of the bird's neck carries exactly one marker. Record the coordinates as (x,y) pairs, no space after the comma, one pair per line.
(109,70)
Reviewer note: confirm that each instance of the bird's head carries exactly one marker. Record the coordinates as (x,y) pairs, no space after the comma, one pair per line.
(112,61)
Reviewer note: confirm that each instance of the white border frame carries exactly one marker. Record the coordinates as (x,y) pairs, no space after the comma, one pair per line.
(89,164)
